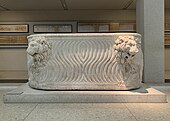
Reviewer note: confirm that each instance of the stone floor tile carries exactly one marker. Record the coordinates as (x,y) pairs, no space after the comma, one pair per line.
(149,111)
(14,112)
(81,112)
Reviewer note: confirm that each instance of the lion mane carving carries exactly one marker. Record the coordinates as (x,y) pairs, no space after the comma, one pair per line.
(39,50)
(128,54)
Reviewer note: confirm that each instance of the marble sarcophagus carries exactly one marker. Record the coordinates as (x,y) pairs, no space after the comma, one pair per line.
(85,61)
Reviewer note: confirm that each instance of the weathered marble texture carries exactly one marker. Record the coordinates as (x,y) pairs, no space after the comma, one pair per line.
(91,61)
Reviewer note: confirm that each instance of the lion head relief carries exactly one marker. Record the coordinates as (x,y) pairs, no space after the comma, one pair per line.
(126,48)
(39,48)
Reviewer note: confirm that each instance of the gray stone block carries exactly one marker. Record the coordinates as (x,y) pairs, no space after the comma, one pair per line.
(25,94)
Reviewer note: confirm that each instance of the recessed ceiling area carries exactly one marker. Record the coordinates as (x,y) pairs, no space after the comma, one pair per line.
(1,8)
(23,5)
(98,4)
(27,5)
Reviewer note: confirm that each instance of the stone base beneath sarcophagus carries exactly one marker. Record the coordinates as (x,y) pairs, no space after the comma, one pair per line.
(25,94)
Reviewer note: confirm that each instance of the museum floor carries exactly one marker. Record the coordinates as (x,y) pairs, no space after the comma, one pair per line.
(85,111)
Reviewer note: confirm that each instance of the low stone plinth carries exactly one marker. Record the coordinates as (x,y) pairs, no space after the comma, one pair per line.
(25,94)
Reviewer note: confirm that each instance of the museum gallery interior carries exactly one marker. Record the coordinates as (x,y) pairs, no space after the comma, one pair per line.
(85,60)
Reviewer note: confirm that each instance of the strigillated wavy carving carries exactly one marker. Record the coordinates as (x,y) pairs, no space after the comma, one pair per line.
(87,63)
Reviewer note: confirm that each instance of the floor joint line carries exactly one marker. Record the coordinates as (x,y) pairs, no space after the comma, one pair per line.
(131,112)
(30,112)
